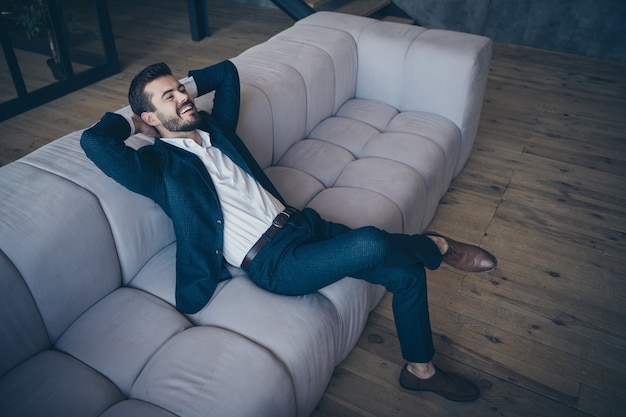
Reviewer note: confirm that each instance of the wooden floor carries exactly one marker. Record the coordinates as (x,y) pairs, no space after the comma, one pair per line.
(544,189)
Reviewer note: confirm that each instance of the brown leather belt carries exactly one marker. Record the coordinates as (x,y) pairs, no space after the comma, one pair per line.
(278,223)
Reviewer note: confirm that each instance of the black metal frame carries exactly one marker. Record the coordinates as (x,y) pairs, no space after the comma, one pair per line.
(199,22)
(296,9)
(106,66)
(198,19)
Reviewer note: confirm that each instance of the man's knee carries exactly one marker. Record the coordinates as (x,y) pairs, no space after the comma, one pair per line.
(373,242)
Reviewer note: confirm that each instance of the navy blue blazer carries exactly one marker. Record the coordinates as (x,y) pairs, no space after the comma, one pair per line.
(178,181)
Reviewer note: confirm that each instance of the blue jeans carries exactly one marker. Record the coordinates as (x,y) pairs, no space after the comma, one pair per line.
(311,253)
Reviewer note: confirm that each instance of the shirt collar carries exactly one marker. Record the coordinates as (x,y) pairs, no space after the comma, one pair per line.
(189,144)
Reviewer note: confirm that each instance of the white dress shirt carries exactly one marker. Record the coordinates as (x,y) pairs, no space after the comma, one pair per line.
(247,207)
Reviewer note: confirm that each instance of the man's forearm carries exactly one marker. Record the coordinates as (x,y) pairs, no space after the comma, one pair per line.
(112,130)
(222,78)
(103,143)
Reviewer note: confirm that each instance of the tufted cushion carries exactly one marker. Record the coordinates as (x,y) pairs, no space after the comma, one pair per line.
(120,333)
(21,329)
(138,225)
(216,371)
(370,159)
(399,129)
(52,384)
(59,240)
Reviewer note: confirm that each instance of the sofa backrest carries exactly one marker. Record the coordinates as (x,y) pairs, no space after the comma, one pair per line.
(58,242)
(137,224)
(290,84)
(72,234)
(22,333)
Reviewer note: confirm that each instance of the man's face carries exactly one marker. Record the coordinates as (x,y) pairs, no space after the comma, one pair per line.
(175,109)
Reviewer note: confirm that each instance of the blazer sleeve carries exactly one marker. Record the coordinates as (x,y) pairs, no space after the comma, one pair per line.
(103,143)
(222,78)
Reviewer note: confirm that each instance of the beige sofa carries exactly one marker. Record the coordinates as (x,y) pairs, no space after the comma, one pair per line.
(365,121)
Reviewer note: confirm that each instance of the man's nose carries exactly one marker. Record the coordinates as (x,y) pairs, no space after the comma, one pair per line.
(181,97)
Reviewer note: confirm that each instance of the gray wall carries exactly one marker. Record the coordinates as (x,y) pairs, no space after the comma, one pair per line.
(594,28)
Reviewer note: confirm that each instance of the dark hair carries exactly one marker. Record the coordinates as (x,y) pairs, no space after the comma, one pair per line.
(138,99)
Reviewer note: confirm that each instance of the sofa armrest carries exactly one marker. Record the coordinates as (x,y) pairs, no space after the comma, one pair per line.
(417,69)
(438,71)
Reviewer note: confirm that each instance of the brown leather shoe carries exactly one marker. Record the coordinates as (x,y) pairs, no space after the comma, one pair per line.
(467,257)
(449,386)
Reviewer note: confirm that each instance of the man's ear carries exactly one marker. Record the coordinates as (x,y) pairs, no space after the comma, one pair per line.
(150,118)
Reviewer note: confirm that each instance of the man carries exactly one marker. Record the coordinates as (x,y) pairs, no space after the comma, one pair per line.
(224,208)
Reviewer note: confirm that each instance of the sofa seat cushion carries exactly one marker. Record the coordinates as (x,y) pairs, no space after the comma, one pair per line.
(285,326)
(119,334)
(353,299)
(370,159)
(158,276)
(213,371)
(52,384)
(302,332)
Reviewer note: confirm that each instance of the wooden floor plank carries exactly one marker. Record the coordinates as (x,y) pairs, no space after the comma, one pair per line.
(500,396)
(363,7)
(606,402)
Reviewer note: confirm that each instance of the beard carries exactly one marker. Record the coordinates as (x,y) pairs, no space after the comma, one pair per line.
(175,124)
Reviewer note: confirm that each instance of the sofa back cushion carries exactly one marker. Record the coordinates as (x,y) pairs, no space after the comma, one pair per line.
(56,236)
(290,84)
(22,333)
(138,225)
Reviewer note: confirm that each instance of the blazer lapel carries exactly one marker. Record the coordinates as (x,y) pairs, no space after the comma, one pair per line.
(189,158)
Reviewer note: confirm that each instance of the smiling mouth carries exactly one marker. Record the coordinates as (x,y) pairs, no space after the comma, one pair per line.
(186,108)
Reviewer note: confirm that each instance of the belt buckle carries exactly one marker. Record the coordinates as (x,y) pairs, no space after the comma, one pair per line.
(281,219)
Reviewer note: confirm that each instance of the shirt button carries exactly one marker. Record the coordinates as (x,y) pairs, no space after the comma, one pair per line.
(218,252)
(219,222)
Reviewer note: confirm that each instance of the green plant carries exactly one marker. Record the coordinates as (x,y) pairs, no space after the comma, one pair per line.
(33,18)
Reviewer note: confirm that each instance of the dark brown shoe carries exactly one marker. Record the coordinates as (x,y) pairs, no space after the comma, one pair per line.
(449,386)
(467,257)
